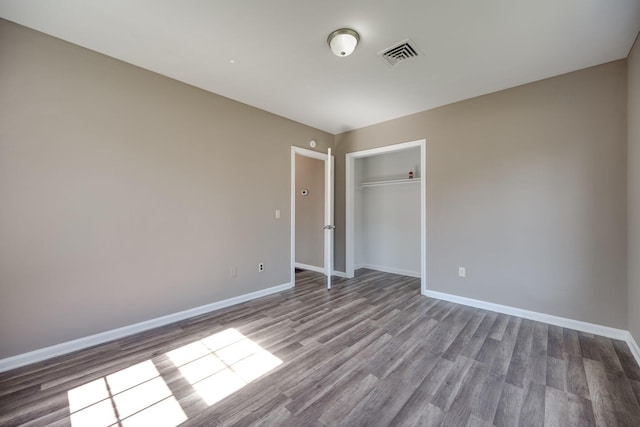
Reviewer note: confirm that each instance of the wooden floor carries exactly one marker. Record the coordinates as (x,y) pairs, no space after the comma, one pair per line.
(372,351)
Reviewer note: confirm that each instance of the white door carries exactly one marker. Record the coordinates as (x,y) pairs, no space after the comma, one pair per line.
(329,227)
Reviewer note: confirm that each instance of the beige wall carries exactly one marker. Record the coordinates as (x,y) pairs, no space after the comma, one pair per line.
(310,211)
(633,182)
(125,195)
(526,188)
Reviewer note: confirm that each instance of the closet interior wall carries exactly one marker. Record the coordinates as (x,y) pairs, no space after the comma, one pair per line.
(387,212)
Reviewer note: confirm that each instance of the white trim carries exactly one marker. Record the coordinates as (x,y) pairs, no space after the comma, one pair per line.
(308,153)
(103,337)
(388,149)
(309,267)
(320,269)
(391,270)
(423,216)
(633,346)
(292,202)
(577,325)
(349,217)
(349,204)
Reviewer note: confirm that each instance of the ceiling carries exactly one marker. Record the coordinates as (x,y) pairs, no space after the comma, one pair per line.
(274,54)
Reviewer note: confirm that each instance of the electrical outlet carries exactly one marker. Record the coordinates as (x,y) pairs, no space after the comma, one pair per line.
(462,272)
(277,213)
(261,267)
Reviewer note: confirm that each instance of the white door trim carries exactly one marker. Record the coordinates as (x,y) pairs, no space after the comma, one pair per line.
(305,153)
(349,206)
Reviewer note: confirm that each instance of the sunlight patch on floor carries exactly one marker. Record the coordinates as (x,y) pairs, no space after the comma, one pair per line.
(135,396)
(215,366)
(222,363)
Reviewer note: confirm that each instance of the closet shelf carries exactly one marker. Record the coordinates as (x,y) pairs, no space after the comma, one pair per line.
(390,182)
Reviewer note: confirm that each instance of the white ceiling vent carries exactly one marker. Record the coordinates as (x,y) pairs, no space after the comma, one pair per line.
(399,52)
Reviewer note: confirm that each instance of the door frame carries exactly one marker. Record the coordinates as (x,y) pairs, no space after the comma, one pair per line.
(350,203)
(327,220)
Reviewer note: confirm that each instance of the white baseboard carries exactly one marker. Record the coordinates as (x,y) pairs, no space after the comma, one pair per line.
(319,269)
(103,337)
(309,267)
(592,328)
(633,346)
(390,270)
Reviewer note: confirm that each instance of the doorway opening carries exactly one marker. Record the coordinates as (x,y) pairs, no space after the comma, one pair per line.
(311,212)
(384,175)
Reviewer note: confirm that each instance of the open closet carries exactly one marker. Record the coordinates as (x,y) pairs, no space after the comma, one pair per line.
(386,224)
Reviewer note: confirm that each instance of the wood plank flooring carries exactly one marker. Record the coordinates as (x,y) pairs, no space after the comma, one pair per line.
(372,351)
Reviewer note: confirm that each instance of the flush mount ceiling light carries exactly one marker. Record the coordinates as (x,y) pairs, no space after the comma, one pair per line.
(343,41)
